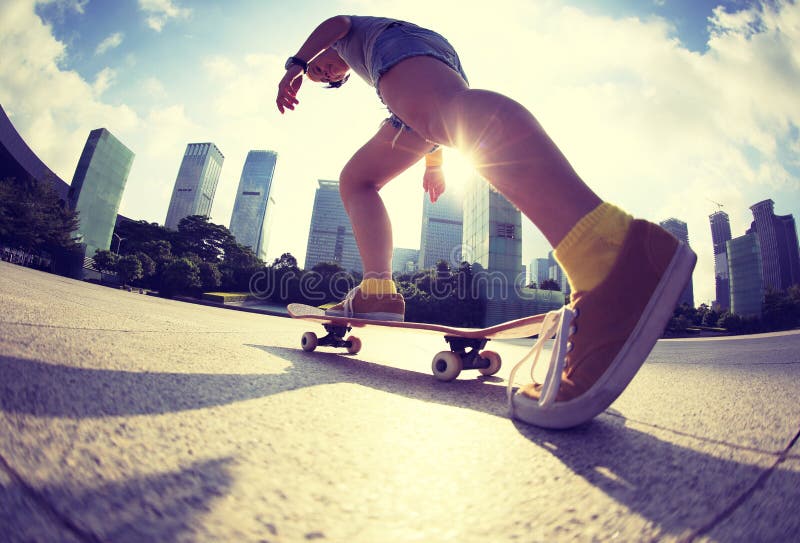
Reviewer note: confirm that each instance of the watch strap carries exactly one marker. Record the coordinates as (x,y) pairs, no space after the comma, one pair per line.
(299,62)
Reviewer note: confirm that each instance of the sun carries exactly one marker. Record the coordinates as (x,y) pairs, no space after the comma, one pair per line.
(458,169)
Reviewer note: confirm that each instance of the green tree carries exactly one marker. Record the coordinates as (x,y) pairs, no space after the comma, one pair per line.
(140,235)
(159,250)
(180,276)
(731,322)
(149,266)
(105,261)
(779,312)
(550,284)
(210,276)
(129,268)
(196,234)
(34,218)
(285,262)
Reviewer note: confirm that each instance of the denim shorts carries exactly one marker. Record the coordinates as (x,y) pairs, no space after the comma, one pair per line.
(401,41)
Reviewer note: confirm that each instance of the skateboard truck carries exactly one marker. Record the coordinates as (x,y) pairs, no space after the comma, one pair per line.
(447,365)
(334,338)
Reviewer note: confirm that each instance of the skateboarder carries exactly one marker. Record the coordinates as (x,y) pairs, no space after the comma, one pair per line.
(625,274)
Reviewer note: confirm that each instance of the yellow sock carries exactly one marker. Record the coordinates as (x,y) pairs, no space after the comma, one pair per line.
(590,249)
(378,286)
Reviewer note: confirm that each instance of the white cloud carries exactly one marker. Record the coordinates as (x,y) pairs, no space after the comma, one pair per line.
(66,5)
(111,42)
(154,88)
(219,67)
(159,12)
(53,109)
(649,124)
(103,80)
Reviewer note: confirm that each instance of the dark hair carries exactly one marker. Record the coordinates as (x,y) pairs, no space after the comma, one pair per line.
(337,84)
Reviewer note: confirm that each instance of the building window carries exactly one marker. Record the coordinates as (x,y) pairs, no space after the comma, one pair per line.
(505,230)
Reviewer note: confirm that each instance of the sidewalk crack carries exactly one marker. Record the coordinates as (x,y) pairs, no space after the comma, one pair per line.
(746,495)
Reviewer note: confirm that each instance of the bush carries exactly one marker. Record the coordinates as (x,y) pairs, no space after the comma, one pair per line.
(181,276)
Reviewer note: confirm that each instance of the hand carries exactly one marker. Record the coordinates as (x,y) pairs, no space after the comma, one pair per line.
(433,182)
(288,88)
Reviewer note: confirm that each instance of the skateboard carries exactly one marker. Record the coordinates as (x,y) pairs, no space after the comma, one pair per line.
(466,344)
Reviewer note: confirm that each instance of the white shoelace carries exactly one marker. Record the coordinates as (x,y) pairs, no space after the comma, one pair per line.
(555,323)
(347,303)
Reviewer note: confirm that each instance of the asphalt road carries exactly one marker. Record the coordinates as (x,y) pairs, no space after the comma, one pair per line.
(126,417)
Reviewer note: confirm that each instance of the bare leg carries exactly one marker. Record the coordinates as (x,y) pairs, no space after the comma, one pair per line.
(379,161)
(507,144)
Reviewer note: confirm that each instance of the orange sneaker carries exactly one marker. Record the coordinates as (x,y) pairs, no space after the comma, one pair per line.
(376,307)
(604,336)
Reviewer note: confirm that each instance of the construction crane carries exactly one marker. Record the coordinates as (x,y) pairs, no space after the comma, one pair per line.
(719,205)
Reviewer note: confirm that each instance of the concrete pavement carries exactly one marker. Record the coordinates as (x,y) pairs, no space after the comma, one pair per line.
(125,417)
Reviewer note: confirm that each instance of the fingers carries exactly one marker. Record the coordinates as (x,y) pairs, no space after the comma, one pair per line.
(287,90)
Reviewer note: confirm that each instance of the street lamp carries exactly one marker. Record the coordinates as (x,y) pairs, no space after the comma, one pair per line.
(119,240)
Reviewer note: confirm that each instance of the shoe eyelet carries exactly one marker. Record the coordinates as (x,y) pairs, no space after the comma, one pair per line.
(570,346)
(572,330)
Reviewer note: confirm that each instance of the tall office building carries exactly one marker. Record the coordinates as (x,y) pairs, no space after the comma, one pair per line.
(405,260)
(330,237)
(253,209)
(97,187)
(680,230)
(720,235)
(493,241)
(746,279)
(556,273)
(442,225)
(787,237)
(196,183)
(540,271)
(779,252)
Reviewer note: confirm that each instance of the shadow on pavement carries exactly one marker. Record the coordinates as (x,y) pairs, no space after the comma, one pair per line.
(160,507)
(44,389)
(682,491)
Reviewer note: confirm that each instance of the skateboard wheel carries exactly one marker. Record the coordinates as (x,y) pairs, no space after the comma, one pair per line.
(309,341)
(355,345)
(446,366)
(494,362)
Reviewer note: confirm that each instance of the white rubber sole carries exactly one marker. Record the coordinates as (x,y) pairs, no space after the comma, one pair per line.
(622,370)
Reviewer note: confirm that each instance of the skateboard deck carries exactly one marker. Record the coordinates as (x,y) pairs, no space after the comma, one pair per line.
(466,344)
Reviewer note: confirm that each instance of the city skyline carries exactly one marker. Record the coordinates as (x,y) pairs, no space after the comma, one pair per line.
(115,159)
(659,129)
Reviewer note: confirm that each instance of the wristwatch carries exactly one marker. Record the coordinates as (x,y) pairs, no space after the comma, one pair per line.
(296,61)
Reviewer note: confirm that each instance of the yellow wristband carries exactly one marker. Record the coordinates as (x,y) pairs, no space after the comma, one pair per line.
(434,159)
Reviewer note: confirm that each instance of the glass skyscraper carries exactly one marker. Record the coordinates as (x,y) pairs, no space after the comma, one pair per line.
(330,236)
(779,252)
(253,209)
(405,260)
(442,225)
(97,187)
(746,279)
(196,183)
(493,245)
(720,235)
(539,270)
(680,230)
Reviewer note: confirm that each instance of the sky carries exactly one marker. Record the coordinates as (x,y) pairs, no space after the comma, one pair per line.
(667,108)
